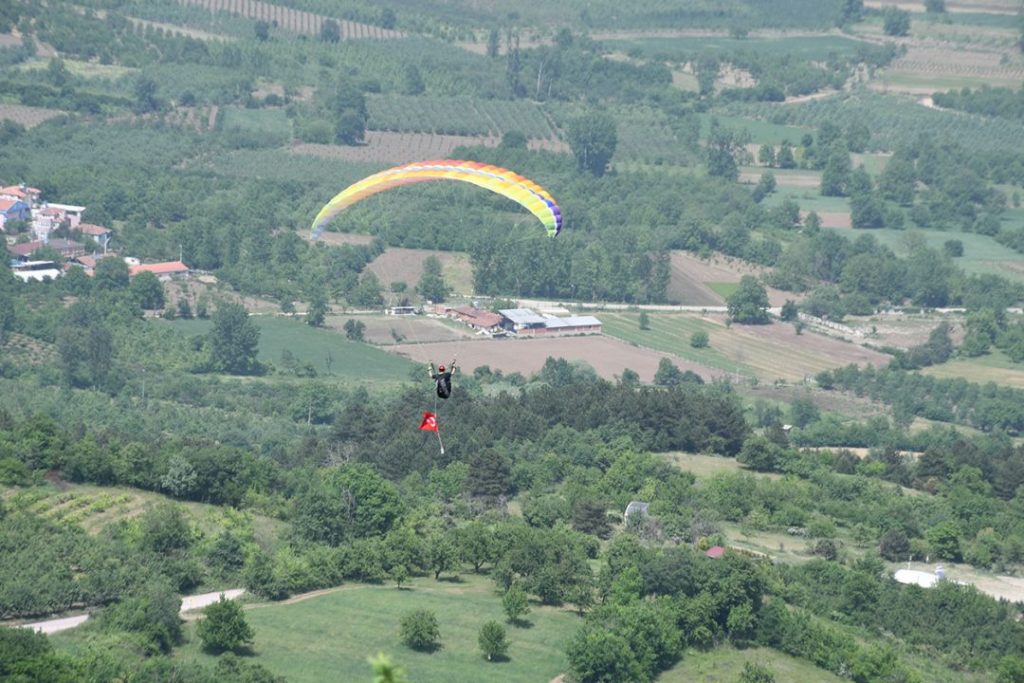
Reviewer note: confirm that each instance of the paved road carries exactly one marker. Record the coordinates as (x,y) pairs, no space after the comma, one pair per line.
(188,603)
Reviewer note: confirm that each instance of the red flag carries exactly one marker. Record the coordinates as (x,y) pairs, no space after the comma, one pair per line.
(429,423)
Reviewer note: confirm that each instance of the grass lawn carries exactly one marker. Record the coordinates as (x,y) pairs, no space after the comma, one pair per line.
(809,199)
(723,289)
(725,664)
(328,637)
(993,367)
(312,345)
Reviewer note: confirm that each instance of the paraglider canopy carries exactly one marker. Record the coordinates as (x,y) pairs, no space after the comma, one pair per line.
(522,190)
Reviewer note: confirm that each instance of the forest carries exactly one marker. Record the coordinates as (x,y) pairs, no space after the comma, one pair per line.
(162,439)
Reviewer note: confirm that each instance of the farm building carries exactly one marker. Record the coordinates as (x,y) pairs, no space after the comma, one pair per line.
(36,270)
(168,270)
(525,322)
(477,318)
(66,248)
(97,232)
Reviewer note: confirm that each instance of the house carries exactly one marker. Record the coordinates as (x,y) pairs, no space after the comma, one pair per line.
(29,195)
(23,250)
(13,210)
(477,318)
(70,212)
(168,270)
(66,248)
(97,232)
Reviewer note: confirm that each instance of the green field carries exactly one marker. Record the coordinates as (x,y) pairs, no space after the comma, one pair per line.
(312,345)
(681,48)
(809,199)
(723,289)
(982,254)
(261,121)
(670,333)
(725,664)
(993,367)
(96,507)
(328,637)
(761,132)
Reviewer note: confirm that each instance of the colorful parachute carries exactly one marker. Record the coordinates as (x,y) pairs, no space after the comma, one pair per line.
(495,178)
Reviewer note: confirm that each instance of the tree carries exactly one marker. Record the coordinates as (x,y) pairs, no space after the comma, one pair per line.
(318,308)
(644,321)
(420,631)
(755,673)
(593,139)
(515,603)
(224,627)
(667,374)
(262,30)
(110,274)
(836,176)
(748,305)
(514,139)
(765,186)
(895,21)
(234,340)
(597,655)
(384,671)
(412,84)
(760,454)
(432,286)
(721,152)
(766,155)
(354,330)
(699,339)
(789,311)
(147,290)
(492,641)
(785,158)
(894,545)
(330,31)
(145,95)
(852,12)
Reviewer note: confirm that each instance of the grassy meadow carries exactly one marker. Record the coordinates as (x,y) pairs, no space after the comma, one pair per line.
(993,367)
(312,345)
(328,637)
(725,664)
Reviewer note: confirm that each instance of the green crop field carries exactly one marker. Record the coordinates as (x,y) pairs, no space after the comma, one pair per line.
(809,199)
(684,47)
(96,507)
(328,637)
(761,132)
(982,254)
(311,345)
(263,121)
(723,289)
(994,367)
(669,333)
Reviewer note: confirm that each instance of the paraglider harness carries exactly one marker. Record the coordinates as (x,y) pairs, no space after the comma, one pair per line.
(442,379)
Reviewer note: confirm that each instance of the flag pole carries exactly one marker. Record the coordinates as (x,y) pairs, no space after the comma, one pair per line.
(441,443)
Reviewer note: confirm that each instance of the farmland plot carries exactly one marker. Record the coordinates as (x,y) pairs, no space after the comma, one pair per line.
(27,116)
(294,20)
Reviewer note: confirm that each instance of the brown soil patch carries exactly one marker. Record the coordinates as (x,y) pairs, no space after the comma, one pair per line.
(27,116)
(608,356)
(832,219)
(411,329)
(954,6)
(335,239)
(690,273)
(784,179)
(406,265)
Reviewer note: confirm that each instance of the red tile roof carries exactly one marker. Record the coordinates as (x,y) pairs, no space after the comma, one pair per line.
(25,248)
(7,203)
(166,268)
(90,229)
(715,551)
(87,261)
(478,317)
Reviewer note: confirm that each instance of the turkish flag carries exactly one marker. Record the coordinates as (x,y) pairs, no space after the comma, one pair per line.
(429,423)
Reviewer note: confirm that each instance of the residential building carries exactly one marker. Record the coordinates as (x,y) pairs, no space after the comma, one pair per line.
(168,270)
(13,210)
(97,232)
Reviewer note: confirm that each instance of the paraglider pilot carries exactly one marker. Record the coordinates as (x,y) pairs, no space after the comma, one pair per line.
(442,378)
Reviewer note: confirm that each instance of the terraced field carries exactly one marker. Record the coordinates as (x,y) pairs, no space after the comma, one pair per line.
(296,21)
